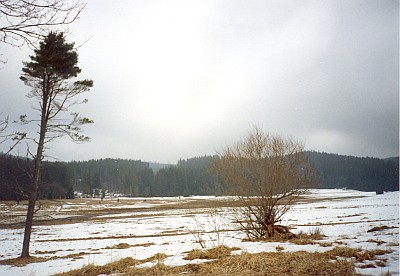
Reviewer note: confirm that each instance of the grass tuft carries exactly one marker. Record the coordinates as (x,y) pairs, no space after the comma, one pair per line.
(378,242)
(356,253)
(303,238)
(212,253)
(119,266)
(380,228)
(119,246)
(23,261)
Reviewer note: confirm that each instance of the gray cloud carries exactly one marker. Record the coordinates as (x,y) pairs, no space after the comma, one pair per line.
(178,79)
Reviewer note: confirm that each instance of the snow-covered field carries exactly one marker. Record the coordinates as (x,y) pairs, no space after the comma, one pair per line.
(140,229)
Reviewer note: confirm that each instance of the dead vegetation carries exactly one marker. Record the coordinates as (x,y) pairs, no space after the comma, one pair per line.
(87,209)
(337,261)
(357,254)
(350,222)
(378,242)
(23,261)
(212,253)
(34,259)
(380,228)
(119,266)
(300,238)
(313,237)
(124,245)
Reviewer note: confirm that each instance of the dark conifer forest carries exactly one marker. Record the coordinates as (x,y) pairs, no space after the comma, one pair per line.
(120,177)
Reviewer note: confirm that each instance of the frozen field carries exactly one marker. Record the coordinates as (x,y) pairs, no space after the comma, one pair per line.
(73,233)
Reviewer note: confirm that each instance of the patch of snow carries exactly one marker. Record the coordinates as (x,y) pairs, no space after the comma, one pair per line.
(344,216)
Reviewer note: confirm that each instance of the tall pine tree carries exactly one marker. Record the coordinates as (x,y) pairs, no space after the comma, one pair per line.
(48,72)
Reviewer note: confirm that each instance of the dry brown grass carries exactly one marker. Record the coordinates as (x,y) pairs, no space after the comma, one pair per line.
(313,234)
(378,242)
(325,244)
(302,241)
(23,261)
(312,237)
(380,228)
(119,266)
(212,253)
(124,266)
(357,254)
(122,245)
(380,263)
(340,242)
(81,210)
(33,259)
(338,261)
(46,252)
(301,238)
(318,224)
(369,265)
(297,263)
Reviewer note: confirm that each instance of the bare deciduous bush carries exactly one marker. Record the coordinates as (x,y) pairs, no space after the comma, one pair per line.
(214,236)
(267,173)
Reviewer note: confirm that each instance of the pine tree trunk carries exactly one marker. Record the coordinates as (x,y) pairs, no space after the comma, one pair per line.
(28,225)
(32,202)
(35,179)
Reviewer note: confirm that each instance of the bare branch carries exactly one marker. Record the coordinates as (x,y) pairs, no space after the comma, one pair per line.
(15,137)
(27,21)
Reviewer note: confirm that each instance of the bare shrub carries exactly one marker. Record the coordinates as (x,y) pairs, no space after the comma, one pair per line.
(267,174)
(213,237)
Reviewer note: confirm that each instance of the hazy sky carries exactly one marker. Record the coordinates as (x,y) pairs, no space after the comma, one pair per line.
(178,79)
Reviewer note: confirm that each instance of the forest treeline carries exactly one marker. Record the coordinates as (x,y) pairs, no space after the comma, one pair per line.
(189,177)
(15,174)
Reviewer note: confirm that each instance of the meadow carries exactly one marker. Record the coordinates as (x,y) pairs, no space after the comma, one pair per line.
(352,230)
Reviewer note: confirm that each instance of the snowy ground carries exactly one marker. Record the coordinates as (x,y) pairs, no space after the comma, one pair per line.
(140,228)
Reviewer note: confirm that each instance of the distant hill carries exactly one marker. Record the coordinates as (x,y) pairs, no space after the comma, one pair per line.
(393,159)
(359,173)
(158,166)
(187,177)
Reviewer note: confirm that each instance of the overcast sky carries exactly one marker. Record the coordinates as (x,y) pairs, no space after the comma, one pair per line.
(178,79)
